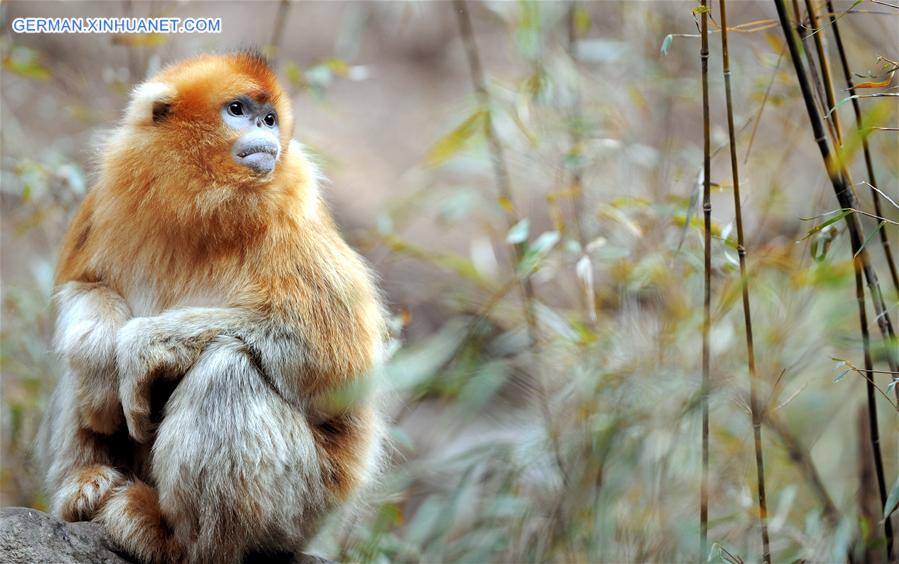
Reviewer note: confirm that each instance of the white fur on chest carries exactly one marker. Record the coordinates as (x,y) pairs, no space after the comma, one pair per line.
(145,300)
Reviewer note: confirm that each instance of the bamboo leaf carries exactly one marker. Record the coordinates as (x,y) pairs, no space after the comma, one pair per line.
(582,20)
(618,216)
(545,242)
(444,259)
(518,233)
(26,62)
(833,219)
(775,42)
(455,140)
(876,116)
(666,44)
(691,207)
(139,39)
(879,84)
(893,499)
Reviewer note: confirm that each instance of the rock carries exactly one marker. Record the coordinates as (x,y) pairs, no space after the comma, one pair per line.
(28,536)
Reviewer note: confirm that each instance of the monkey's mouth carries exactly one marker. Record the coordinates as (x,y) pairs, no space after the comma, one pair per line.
(258,149)
(258,157)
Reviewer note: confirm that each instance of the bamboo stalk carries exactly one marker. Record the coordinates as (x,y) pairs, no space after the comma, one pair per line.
(804,35)
(574,130)
(873,430)
(857,267)
(754,406)
(278,32)
(504,188)
(869,165)
(846,199)
(707,287)
(824,63)
(841,188)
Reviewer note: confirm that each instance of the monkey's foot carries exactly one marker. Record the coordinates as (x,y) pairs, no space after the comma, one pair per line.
(135,523)
(83,496)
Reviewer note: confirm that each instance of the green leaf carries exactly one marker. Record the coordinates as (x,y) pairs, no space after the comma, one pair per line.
(444,259)
(582,20)
(337,66)
(519,232)
(455,140)
(833,219)
(700,10)
(876,116)
(666,44)
(293,73)
(893,498)
(545,242)
(26,62)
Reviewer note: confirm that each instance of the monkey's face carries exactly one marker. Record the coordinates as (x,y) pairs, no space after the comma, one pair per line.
(258,146)
(221,119)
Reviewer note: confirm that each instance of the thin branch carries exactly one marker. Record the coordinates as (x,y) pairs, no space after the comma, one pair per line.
(758,117)
(504,187)
(747,315)
(280,21)
(857,97)
(800,456)
(879,191)
(707,296)
(575,125)
(867,375)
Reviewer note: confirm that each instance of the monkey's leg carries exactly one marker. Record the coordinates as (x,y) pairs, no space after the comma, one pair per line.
(80,462)
(235,467)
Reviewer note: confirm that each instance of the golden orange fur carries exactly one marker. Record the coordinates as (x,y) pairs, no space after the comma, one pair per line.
(226,276)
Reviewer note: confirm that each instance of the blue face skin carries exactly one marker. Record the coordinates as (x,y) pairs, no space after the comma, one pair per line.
(258,147)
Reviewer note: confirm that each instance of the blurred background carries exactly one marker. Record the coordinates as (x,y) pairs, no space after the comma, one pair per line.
(544,400)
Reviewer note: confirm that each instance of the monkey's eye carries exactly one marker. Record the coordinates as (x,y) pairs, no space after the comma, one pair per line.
(235,108)
(270,120)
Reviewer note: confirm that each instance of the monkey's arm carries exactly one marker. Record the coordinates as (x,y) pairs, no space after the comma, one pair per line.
(89,317)
(165,346)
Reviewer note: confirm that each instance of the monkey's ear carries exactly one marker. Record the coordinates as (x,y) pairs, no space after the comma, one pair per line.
(151,103)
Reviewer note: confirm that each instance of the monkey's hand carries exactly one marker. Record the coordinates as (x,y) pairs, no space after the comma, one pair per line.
(90,315)
(163,347)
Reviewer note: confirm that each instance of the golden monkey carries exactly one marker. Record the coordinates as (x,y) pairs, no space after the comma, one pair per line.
(203,261)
